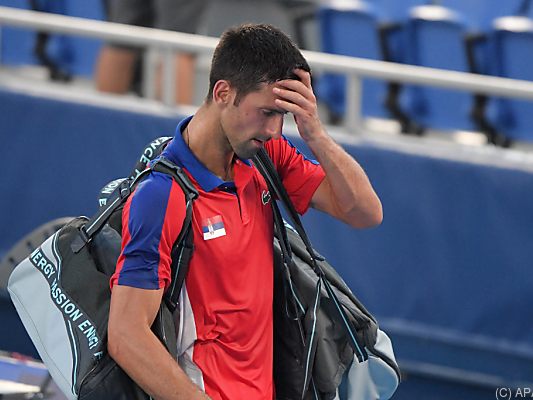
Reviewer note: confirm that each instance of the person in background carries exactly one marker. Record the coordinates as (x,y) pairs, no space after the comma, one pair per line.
(116,66)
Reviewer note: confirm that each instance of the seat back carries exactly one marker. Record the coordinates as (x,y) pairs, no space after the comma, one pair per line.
(350,30)
(434,38)
(71,54)
(395,11)
(479,14)
(17,44)
(83,51)
(509,43)
(392,17)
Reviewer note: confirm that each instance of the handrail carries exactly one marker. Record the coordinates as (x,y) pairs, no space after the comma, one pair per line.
(354,68)
(126,34)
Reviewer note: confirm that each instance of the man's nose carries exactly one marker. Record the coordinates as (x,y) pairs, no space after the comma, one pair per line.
(275,126)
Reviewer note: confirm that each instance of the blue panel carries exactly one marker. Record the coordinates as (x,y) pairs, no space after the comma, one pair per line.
(64,146)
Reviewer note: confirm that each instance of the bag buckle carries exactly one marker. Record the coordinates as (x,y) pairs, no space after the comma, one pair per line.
(80,241)
(124,189)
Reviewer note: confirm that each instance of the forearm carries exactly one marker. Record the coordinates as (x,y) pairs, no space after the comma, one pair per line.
(149,364)
(352,198)
(346,193)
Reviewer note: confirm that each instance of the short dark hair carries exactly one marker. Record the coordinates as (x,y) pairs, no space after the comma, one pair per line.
(251,54)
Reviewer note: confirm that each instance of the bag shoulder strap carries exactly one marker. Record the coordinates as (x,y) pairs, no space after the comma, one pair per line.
(266,167)
(183,246)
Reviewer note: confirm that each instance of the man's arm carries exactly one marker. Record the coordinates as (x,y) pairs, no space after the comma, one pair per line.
(134,347)
(346,192)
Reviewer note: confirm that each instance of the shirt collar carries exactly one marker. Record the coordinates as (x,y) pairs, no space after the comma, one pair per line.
(179,153)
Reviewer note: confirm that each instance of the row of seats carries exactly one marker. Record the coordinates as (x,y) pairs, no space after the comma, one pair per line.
(463,35)
(481,36)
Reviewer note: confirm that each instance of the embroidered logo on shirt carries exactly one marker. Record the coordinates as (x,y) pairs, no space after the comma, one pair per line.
(265,197)
(213,227)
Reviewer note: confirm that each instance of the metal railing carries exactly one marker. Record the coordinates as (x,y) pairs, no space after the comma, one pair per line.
(355,69)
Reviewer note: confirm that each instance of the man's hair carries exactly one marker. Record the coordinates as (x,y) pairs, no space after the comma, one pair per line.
(251,54)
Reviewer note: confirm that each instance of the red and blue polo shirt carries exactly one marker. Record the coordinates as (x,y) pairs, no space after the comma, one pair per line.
(225,327)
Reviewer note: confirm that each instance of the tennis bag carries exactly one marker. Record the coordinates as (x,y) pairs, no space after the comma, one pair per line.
(61,293)
(321,330)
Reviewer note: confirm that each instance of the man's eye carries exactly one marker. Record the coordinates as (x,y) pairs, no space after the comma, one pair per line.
(268,113)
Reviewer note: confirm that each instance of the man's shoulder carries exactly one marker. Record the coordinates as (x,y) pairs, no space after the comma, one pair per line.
(276,147)
(283,151)
(158,190)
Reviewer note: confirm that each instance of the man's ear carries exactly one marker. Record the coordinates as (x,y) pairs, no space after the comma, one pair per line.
(223,93)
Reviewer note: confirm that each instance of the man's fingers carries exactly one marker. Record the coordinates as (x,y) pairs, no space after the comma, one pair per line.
(292,96)
(297,86)
(304,76)
(288,106)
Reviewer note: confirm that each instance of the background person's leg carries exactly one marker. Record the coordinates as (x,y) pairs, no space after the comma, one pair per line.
(116,64)
(181,16)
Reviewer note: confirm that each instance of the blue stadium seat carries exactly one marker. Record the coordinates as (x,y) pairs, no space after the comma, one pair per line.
(72,55)
(84,51)
(16,44)
(392,16)
(434,38)
(511,47)
(395,10)
(350,28)
(479,14)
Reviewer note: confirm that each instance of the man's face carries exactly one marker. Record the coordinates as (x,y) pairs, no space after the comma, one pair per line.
(255,120)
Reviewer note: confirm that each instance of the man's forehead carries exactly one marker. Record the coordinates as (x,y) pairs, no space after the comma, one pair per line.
(266,99)
(263,91)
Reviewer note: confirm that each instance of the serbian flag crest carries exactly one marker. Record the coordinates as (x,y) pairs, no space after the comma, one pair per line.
(213,227)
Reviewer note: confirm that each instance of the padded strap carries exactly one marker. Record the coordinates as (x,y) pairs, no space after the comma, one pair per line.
(183,246)
(268,170)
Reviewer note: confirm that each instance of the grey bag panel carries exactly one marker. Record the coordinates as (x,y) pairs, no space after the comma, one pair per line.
(53,344)
(373,379)
(60,318)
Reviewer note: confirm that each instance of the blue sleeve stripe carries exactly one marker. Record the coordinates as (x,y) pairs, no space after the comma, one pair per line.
(146,219)
(299,152)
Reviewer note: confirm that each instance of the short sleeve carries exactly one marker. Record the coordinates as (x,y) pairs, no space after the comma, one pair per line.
(152,219)
(301,176)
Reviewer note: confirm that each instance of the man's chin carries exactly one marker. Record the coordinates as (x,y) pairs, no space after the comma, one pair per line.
(250,152)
